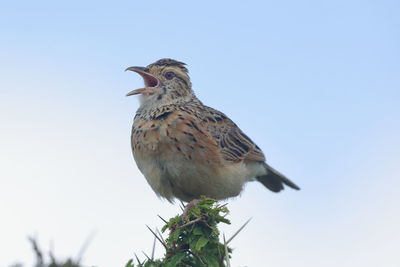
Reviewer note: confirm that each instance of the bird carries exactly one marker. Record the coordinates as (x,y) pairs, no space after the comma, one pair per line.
(187,150)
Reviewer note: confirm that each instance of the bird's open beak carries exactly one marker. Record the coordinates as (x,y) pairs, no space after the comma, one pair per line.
(150,82)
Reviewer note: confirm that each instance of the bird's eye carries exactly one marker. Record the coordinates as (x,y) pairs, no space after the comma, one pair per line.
(169,75)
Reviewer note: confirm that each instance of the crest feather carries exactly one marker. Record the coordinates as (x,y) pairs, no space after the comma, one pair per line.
(167,62)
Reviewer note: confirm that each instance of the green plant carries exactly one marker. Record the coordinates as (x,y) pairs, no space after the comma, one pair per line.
(194,238)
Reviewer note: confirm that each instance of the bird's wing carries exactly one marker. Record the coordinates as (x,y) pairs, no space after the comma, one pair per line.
(234,144)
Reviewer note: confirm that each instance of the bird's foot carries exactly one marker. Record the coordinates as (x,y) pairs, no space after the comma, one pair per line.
(188,206)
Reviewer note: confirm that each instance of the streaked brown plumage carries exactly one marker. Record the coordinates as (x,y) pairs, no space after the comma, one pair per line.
(186,149)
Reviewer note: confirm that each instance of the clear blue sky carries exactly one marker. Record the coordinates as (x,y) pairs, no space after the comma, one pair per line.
(315,83)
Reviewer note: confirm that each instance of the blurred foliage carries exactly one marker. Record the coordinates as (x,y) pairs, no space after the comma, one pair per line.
(193,240)
(40,259)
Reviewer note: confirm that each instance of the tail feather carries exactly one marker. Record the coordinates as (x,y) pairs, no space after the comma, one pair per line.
(274,180)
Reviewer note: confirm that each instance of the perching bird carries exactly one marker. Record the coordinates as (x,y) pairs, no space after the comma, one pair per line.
(187,150)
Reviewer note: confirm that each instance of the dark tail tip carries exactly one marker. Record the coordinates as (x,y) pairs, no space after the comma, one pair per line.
(274,180)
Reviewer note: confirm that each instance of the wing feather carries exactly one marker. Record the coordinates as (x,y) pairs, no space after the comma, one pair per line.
(234,144)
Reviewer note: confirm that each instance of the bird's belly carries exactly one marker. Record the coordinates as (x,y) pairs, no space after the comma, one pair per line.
(172,174)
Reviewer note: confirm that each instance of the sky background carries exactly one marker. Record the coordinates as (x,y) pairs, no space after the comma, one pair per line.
(316,84)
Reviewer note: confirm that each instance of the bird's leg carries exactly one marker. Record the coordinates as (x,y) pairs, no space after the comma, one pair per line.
(188,206)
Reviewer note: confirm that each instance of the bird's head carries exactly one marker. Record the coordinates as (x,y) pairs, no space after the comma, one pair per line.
(165,81)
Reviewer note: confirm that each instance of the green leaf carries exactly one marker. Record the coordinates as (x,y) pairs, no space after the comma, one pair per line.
(197,231)
(174,235)
(201,243)
(173,262)
(214,263)
(195,211)
(129,263)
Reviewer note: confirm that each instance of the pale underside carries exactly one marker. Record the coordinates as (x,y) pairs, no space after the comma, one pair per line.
(187,153)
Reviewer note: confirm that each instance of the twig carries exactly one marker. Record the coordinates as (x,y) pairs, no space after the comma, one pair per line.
(84,247)
(154,248)
(222,206)
(191,222)
(163,243)
(238,231)
(137,259)
(39,255)
(183,205)
(228,262)
(51,253)
(160,235)
(162,219)
(146,256)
